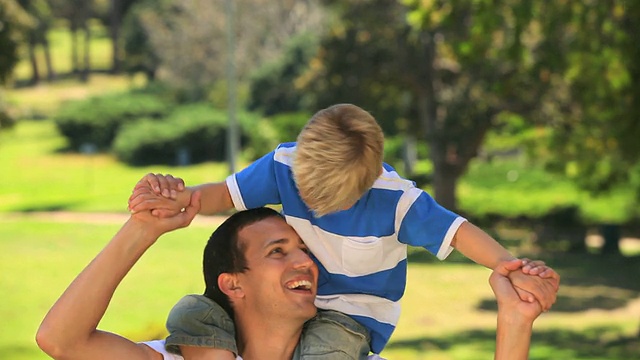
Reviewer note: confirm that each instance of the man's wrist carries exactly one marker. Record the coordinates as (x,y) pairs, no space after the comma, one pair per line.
(514,320)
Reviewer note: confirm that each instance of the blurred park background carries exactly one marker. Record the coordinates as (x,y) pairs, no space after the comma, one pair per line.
(522,115)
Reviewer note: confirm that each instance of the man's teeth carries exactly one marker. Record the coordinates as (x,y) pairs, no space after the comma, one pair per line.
(301,284)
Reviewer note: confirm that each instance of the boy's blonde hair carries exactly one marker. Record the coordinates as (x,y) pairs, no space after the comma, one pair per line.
(338,158)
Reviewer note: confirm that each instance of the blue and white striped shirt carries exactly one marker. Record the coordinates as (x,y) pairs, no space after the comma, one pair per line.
(361,252)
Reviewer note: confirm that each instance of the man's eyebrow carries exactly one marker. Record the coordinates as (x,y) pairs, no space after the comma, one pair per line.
(276,242)
(282,242)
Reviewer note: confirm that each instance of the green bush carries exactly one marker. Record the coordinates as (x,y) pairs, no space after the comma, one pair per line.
(288,125)
(190,134)
(97,120)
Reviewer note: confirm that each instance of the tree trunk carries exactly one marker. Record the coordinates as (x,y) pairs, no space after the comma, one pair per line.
(84,76)
(75,64)
(35,72)
(116,11)
(409,154)
(445,181)
(611,235)
(51,74)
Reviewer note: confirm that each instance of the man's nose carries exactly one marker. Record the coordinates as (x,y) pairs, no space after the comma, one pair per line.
(302,260)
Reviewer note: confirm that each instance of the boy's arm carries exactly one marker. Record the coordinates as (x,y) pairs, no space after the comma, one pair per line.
(69,330)
(215,197)
(479,246)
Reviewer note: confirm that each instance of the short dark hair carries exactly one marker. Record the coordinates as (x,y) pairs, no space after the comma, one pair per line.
(223,253)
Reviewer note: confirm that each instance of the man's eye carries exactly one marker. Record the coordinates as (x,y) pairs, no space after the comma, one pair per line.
(306,250)
(276,251)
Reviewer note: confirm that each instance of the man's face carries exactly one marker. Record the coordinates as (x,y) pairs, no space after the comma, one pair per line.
(282,278)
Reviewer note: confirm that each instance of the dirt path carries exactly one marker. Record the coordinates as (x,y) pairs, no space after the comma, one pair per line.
(632,244)
(98,218)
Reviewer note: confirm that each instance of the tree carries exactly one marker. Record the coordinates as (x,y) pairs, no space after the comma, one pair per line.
(15,22)
(112,13)
(188,37)
(37,35)
(593,120)
(440,69)
(273,87)
(77,13)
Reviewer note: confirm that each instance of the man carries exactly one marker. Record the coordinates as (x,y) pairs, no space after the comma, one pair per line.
(271,297)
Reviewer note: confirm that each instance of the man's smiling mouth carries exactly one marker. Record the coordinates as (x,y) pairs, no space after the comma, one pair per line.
(299,285)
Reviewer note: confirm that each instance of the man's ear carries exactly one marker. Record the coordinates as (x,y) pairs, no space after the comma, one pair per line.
(230,286)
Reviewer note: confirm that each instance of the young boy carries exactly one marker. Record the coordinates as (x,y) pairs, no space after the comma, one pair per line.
(356,215)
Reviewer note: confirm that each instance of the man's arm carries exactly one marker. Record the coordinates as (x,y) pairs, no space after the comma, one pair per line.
(69,330)
(515,317)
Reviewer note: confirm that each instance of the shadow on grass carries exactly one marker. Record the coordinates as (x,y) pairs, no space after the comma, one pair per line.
(19,352)
(46,207)
(549,344)
(588,281)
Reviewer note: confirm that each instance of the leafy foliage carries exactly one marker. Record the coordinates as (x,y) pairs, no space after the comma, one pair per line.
(274,88)
(97,120)
(594,106)
(190,134)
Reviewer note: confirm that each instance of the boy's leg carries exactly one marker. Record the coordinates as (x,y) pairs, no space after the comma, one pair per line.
(198,321)
(333,335)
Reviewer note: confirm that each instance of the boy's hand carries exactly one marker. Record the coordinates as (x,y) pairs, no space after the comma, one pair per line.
(538,267)
(144,199)
(158,184)
(158,225)
(532,287)
(507,298)
(165,185)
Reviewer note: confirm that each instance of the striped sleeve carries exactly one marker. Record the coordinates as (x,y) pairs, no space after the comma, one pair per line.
(421,221)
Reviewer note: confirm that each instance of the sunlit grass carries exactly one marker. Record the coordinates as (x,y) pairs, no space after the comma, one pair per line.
(40,177)
(448,308)
(39,259)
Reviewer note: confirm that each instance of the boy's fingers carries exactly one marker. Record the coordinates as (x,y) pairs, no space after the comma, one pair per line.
(152,180)
(165,189)
(531,264)
(175,183)
(505,267)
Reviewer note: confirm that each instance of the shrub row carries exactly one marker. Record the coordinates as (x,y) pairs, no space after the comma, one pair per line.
(142,129)
(96,121)
(190,134)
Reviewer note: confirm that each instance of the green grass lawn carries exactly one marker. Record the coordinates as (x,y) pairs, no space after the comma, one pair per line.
(38,177)
(448,309)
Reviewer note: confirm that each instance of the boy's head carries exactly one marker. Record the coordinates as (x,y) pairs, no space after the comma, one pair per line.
(338,158)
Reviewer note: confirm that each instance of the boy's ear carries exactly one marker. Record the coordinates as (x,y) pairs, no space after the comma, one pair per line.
(230,286)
